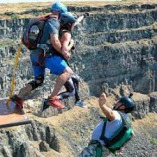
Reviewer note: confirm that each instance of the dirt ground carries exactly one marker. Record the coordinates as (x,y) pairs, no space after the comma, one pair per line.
(73,115)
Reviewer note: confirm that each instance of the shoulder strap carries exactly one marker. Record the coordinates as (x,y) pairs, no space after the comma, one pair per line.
(125,122)
(120,131)
(102,137)
(99,150)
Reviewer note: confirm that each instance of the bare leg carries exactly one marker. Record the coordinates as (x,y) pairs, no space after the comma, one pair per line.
(18,99)
(24,91)
(31,86)
(61,81)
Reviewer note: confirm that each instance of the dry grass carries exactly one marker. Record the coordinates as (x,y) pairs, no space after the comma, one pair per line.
(19,8)
(149,120)
(101,3)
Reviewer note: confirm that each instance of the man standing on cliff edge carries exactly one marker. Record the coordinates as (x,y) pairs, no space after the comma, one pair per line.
(52,59)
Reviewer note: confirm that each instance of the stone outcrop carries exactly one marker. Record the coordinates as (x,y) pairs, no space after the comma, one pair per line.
(40,137)
(19,143)
(115,53)
(69,134)
(142,105)
(112,46)
(153,102)
(69,103)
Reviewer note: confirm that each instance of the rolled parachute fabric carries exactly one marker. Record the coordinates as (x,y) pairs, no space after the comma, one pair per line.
(81,18)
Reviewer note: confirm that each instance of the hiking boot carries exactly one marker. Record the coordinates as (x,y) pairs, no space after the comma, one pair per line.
(80,104)
(55,102)
(18,101)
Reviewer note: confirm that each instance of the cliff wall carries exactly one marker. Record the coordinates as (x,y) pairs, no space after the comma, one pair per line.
(116,52)
(113,45)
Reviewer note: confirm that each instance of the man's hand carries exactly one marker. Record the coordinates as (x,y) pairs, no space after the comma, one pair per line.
(72,42)
(106,110)
(102,99)
(67,55)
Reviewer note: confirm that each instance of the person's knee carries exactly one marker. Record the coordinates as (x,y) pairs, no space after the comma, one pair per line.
(68,70)
(37,82)
(67,73)
(72,93)
(70,88)
(75,78)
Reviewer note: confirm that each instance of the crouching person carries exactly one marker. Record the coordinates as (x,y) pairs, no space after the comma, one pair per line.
(114,130)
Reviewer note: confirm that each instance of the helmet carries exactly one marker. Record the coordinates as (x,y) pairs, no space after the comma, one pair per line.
(128,103)
(59,7)
(67,19)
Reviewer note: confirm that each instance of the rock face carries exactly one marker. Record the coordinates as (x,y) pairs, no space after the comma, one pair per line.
(112,46)
(115,45)
(153,99)
(70,134)
(19,143)
(142,105)
(39,138)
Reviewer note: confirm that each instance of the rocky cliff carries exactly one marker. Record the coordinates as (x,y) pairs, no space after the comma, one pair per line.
(113,45)
(116,52)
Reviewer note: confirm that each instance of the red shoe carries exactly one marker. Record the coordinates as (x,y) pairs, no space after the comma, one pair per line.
(18,101)
(55,102)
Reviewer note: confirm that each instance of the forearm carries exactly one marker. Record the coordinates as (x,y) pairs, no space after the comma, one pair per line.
(64,52)
(67,45)
(56,42)
(106,110)
(57,45)
(70,46)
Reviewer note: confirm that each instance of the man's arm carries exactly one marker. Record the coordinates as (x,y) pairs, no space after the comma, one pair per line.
(106,110)
(55,42)
(67,44)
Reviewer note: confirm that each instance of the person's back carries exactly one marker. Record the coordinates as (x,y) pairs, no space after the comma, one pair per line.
(38,55)
(52,25)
